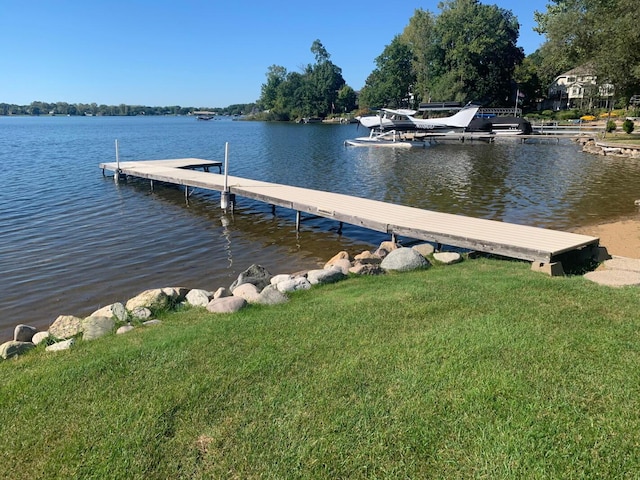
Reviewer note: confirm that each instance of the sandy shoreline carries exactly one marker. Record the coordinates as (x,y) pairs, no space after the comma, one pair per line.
(621,238)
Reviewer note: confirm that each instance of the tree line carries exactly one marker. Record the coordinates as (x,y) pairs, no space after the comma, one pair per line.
(73,109)
(469,52)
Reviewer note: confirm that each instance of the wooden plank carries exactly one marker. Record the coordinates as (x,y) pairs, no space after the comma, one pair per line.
(507,239)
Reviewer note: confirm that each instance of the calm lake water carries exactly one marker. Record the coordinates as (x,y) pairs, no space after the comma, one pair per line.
(72,240)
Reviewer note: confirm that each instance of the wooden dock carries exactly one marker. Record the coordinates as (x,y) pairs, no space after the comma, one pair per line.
(489,236)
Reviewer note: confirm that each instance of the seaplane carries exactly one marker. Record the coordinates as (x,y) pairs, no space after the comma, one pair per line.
(400,128)
(404,120)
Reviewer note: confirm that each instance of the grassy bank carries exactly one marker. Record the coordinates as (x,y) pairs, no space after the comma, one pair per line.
(478,370)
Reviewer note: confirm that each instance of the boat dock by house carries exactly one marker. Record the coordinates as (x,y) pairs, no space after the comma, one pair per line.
(523,242)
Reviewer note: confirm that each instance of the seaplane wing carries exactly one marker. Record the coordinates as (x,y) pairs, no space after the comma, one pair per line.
(402,119)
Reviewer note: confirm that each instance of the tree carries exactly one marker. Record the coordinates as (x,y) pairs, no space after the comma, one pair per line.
(474,53)
(276,75)
(346,101)
(601,33)
(419,36)
(313,92)
(390,83)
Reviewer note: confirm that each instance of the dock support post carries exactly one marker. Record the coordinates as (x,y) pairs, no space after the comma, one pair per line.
(297,220)
(116,175)
(151,182)
(224,196)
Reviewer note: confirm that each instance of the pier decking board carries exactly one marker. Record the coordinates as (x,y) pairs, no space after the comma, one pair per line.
(490,236)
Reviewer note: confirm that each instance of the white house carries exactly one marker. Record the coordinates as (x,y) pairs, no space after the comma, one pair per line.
(578,88)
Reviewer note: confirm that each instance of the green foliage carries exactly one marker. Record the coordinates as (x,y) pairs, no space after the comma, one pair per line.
(474,53)
(389,84)
(611,126)
(567,114)
(454,372)
(604,34)
(628,126)
(318,91)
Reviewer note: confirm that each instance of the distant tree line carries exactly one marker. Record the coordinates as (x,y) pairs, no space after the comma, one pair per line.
(64,108)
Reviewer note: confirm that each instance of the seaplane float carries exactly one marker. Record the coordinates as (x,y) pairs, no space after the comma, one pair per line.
(400,128)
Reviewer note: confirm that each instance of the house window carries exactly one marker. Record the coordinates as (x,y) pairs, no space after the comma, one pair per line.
(571,79)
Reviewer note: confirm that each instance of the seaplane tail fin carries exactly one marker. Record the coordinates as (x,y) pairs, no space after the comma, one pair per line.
(463,117)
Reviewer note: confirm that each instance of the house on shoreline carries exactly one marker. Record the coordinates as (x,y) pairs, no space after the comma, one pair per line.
(579,88)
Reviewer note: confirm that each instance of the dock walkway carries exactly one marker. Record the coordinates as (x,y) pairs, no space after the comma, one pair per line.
(489,236)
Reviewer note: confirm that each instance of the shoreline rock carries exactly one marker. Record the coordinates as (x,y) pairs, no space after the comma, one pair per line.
(255,285)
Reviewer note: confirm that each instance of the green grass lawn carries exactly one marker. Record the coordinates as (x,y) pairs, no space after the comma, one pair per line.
(478,370)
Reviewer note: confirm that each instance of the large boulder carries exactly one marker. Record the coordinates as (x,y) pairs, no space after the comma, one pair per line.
(270,295)
(366,269)
(198,298)
(24,333)
(317,277)
(366,258)
(154,299)
(66,326)
(13,348)
(96,327)
(293,284)
(226,304)
(404,259)
(117,311)
(256,275)
(248,291)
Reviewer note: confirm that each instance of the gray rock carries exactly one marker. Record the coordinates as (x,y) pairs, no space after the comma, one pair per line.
(226,304)
(403,260)
(366,269)
(176,294)
(155,300)
(141,313)
(366,257)
(66,326)
(296,283)
(275,280)
(198,298)
(24,333)
(256,275)
(424,249)
(221,293)
(40,337)
(60,346)
(124,329)
(96,327)
(270,295)
(151,323)
(317,277)
(117,311)
(448,258)
(248,291)
(13,348)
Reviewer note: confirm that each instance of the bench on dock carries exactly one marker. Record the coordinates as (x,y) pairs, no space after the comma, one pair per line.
(539,245)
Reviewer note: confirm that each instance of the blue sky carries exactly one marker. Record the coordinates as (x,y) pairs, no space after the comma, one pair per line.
(194,52)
